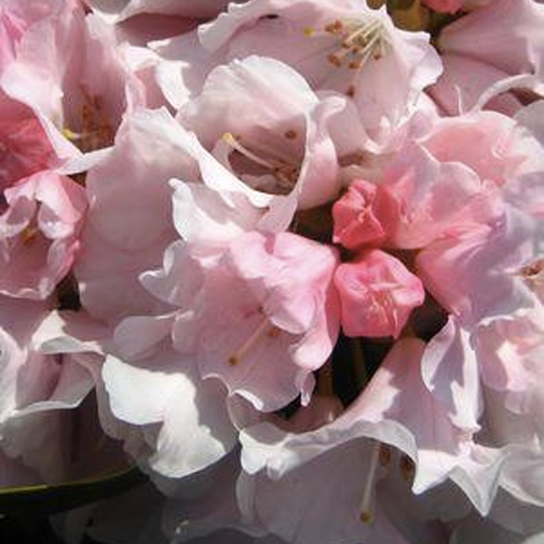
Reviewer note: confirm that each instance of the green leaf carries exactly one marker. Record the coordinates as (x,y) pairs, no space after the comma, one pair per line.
(52,499)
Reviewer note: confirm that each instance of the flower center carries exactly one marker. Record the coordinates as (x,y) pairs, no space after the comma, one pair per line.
(96,130)
(356,42)
(285,173)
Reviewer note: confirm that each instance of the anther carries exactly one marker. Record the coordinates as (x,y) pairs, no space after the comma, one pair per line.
(385,455)
(334,27)
(533,269)
(290,134)
(407,468)
(29,233)
(334,60)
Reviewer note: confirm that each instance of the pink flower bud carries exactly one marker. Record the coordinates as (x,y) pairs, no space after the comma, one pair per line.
(362,215)
(444,6)
(377,294)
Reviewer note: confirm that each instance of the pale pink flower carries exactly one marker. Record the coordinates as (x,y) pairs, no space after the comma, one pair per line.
(286,149)
(182,66)
(503,34)
(160,394)
(129,222)
(486,378)
(432,195)
(265,317)
(16,18)
(79,110)
(396,435)
(47,375)
(377,294)
(39,234)
(340,46)
(476,272)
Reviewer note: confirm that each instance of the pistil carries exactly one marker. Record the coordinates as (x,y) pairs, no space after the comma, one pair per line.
(264,327)
(357,41)
(365,514)
(285,173)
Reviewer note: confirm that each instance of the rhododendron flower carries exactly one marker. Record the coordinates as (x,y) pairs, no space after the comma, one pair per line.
(377,294)
(363,216)
(278,319)
(283,260)
(39,234)
(500,44)
(327,42)
(79,111)
(284,150)
(46,376)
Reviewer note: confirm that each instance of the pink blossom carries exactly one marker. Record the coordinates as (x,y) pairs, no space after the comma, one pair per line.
(16,18)
(79,111)
(46,375)
(475,272)
(286,149)
(377,294)
(39,234)
(129,223)
(363,215)
(309,37)
(396,416)
(505,34)
(166,397)
(266,316)
(432,195)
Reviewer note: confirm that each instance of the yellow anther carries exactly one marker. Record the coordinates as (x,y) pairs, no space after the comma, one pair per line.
(365,516)
(29,233)
(70,135)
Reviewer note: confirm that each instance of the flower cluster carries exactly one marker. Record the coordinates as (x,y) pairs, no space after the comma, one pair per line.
(285,256)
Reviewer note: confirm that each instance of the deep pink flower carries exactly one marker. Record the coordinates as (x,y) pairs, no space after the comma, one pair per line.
(363,214)
(377,294)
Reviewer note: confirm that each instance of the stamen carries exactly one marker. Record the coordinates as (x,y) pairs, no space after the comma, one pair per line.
(250,342)
(360,40)
(235,144)
(285,173)
(365,514)
(533,269)
(96,130)
(29,233)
